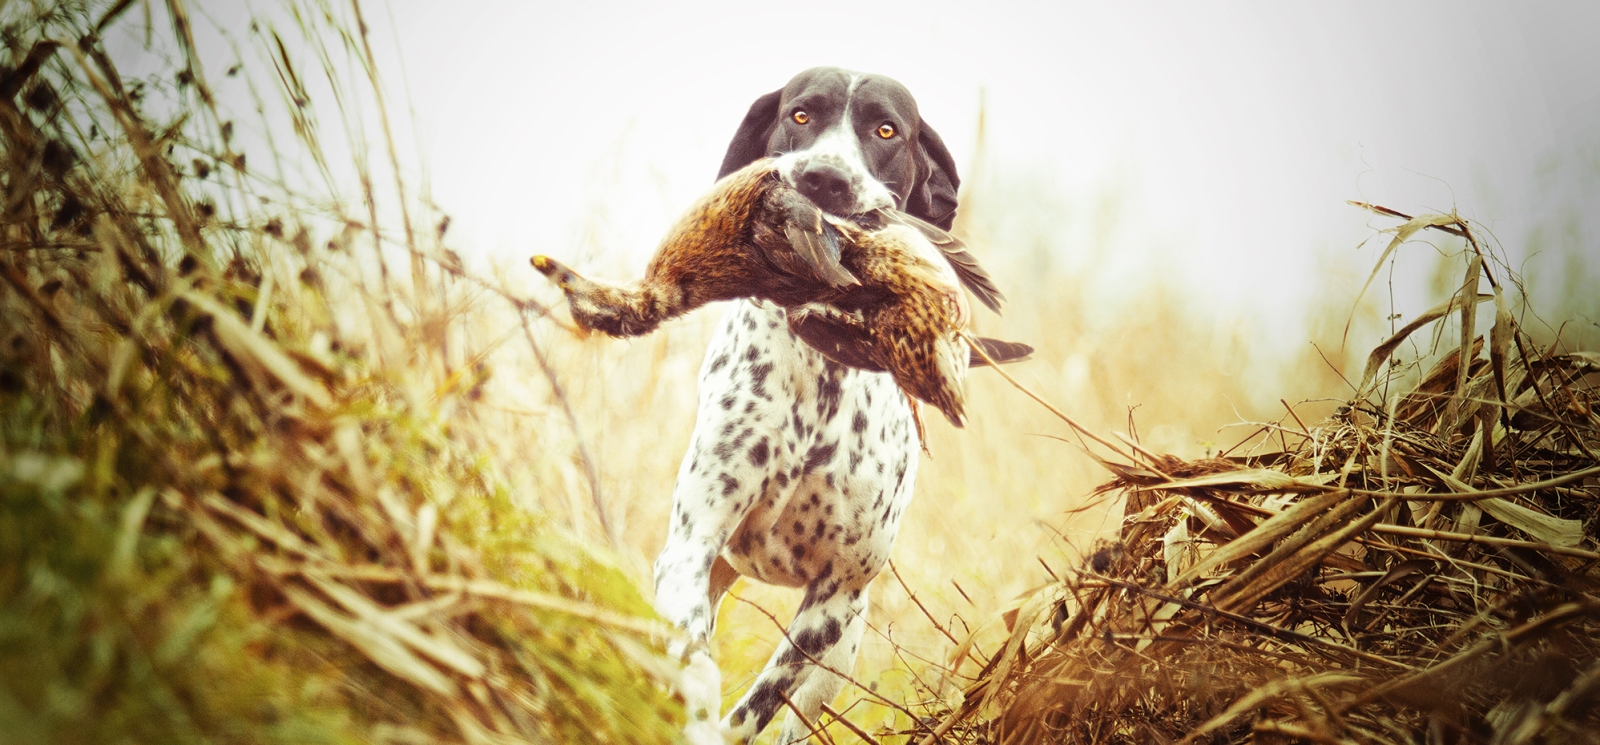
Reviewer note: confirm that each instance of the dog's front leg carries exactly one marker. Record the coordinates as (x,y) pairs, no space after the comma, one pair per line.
(726,470)
(684,589)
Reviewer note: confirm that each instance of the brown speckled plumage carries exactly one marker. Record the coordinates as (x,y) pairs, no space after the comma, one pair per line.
(882,292)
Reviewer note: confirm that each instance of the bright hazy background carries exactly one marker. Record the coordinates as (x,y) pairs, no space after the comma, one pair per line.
(1160,188)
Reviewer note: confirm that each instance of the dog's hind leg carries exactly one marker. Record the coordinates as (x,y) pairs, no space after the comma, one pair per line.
(826,630)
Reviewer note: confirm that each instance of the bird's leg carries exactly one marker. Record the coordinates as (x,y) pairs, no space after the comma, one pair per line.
(617,311)
(916,418)
(828,313)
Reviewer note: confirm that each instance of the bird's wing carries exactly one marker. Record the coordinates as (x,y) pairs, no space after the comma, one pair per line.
(846,343)
(972,274)
(811,246)
(850,344)
(1002,352)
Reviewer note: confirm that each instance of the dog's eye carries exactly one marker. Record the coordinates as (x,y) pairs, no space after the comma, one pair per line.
(801,117)
(886,130)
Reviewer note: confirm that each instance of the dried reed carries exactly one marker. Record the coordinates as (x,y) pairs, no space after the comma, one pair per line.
(1421,567)
(239,498)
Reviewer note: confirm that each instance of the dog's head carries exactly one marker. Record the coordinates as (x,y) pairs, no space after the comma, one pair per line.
(851,143)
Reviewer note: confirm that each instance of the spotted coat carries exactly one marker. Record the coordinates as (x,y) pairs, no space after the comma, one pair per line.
(797,475)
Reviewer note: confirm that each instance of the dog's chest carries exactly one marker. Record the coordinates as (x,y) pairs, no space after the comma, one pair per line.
(819,458)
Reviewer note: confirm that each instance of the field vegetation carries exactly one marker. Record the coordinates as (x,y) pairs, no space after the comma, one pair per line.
(276,466)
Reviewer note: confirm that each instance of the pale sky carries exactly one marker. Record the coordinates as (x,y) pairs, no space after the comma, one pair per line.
(1233,133)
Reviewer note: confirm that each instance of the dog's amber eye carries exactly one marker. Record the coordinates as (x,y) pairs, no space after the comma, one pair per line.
(801,117)
(885,130)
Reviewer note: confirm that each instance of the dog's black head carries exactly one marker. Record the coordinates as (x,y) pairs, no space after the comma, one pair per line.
(851,143)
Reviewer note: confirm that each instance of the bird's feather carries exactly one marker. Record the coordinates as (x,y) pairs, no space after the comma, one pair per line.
(1003,352)
(847,344)
(814,242)
(852,345)
(971,273)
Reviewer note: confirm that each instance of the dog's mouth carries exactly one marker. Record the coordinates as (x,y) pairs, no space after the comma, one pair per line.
(834,187)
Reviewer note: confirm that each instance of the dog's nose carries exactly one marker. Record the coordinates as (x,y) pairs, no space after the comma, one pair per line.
(827,187)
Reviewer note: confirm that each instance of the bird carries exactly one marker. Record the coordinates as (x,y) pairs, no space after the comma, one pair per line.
(880,291)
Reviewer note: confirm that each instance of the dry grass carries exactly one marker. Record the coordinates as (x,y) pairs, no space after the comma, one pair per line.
(264,402)
(1420,567)
(241,496)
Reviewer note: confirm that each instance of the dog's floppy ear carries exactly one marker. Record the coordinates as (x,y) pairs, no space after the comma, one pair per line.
(933,198)
(750,142)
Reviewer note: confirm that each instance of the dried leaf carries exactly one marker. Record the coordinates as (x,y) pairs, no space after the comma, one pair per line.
(1264,535)
(1469,317)
(1036,603)
(438,649)
(1402,234)
(383,649)
(1264,479)
(1499,342)
(1270,691)
(1381,353)
(1542,527)
(249,345)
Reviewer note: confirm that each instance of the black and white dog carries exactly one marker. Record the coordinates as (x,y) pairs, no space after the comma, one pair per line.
(799,469)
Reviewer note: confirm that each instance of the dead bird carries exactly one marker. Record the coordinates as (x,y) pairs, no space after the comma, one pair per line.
(880,291)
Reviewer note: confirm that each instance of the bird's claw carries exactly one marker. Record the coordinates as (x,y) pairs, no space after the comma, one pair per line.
(553,269)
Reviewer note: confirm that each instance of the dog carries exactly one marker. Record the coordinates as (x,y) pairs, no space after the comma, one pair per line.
(799,468)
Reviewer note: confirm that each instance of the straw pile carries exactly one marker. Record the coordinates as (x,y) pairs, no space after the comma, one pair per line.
(234,506)
(1421,567)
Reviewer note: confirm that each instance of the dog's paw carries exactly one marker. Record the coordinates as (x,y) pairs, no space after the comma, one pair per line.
(701,688)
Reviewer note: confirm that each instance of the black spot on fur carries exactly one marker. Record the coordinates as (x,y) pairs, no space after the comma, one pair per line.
(859,423)
(728,402)
(829,393)
(717,364)
(810,644)
(765,700)
(819,455)
(752,353)
(729,485)
(758,379)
